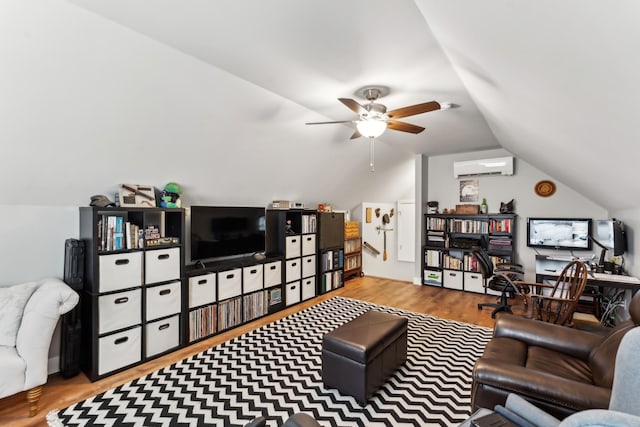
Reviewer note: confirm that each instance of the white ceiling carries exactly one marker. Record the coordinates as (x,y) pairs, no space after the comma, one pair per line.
(552,81)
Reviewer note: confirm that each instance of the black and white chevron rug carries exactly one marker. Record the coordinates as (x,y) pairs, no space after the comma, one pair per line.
(275,371)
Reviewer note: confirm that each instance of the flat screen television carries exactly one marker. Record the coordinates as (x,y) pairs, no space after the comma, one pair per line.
(219,232)
(609,234)
(559,233)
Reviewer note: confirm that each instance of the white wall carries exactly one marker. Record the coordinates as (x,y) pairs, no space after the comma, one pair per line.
(88,104)
(443,187)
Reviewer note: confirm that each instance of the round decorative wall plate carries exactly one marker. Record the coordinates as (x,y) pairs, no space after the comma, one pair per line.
(545,188)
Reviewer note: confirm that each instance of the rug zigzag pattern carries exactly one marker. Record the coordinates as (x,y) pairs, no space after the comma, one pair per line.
(275,371)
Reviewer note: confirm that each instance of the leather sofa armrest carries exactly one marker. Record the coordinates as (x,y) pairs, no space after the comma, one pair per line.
(539,385)
(555,337)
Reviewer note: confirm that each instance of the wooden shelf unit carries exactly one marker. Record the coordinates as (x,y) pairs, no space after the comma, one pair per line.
(352,250)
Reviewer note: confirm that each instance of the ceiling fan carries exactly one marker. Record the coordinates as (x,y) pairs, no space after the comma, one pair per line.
(374,119)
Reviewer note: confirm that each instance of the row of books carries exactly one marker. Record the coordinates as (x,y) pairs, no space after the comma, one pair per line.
(352,245)
(352,262)
(254,305)
(332,259)
(114,233)
(500,225)
(455,225)
(202,322)
(331,280)
(230,313)
(432,258)
(309,223)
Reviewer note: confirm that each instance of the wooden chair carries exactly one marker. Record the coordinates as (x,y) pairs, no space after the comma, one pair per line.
(556,303)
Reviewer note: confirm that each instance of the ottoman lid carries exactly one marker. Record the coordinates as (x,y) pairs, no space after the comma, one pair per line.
(366,336)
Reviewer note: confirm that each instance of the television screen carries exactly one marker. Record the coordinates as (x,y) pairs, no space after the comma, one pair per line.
(559,233)
(610,234)
(226,231)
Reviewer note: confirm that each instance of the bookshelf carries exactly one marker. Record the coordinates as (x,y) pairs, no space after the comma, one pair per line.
(330,251)
(352,250)
(447,259)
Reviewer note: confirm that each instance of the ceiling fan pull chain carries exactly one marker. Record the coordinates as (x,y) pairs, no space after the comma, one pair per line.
(371,154)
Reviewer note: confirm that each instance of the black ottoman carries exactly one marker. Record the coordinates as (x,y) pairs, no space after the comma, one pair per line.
(359,356)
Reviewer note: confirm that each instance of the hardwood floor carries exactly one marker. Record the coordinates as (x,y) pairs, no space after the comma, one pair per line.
(447,304)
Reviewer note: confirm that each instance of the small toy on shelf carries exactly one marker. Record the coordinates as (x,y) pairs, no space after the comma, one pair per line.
(171,196)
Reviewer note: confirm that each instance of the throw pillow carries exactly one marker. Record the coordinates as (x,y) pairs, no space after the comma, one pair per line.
(12,302)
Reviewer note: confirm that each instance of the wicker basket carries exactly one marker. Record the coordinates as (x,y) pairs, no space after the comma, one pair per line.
(351,229)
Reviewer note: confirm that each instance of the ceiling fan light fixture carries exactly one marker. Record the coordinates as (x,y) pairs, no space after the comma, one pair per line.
(371,128)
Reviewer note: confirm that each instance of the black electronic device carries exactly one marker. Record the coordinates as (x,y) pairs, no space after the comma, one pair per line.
(609,233)
(71,326)
(559,233)
(221,232)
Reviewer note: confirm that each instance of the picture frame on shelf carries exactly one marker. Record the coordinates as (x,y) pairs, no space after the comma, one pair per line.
(137,196)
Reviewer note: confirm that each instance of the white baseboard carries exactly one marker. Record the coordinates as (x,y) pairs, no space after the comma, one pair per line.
(417,281)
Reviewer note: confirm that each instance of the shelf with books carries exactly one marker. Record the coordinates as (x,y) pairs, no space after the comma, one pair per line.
(352,250)
(450,239)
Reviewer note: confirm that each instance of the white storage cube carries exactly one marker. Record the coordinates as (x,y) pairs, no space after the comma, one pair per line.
(229,283)
(293,270)
(309,266)
(161,265)
(452,279)
(292,246)
(308,244)
(292,295)
(252,279)
(120,271)
(473,282)
(272,273)
(308,287)
(202,290)
(118,311)
(118,350)
(162,335)
(163,300)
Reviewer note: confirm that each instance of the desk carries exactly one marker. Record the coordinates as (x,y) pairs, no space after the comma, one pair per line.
(599,280)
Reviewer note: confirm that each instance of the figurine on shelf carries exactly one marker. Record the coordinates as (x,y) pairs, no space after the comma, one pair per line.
(289,228)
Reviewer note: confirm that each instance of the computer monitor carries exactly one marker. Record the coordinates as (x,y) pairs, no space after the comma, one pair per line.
(609,234)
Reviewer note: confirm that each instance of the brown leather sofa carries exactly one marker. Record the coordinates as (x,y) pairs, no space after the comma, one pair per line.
(559,369)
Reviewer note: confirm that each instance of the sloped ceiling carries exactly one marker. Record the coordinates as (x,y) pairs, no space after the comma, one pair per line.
(554,82)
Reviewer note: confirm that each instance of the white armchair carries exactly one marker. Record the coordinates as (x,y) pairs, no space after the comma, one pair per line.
(23,365)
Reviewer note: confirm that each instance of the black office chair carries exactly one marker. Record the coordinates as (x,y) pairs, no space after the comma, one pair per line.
(503,279)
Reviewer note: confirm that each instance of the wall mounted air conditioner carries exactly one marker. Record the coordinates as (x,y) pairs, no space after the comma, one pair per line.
(483,167)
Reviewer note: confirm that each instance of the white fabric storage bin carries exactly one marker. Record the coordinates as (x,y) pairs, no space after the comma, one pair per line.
(308,244)
(272,273)
(161,265)
(202,290)
(452,279)
(252,278)
(163,300)
(229,283)
(162,335)
(119,311)
(473,282)
(292,246)
(309,266)
(293,270)
(308,288)
(118,350)
(120,271)
(292,295)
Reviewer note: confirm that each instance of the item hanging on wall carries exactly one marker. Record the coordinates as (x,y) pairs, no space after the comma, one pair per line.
(368,246)
(545,188)
(469,190)
(377,212)
(136,195)
(507,207)
(386,219)
(368,215)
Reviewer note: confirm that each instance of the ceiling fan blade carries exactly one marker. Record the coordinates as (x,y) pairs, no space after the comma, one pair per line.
(356,134)
(414,109)
(326,123)
(404,127)
(353,105)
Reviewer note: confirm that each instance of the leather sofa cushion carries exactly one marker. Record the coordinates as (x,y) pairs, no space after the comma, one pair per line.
(602,358)
(366,336)
(558,364)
